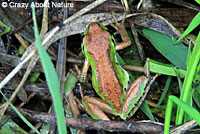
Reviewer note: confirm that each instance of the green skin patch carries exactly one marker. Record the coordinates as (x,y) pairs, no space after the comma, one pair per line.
(122,76)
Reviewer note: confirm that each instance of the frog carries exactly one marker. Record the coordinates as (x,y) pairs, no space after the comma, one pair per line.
(109,79)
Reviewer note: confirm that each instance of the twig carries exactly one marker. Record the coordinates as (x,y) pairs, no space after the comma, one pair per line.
(139,46)
(133,68)
(13,61)
(90,124)
(21,40)
(184,127)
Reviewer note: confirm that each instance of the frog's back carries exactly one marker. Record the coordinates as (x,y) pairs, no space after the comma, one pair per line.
(99,48)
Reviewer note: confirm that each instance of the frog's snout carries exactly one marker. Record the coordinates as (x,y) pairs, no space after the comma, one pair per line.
(94,27)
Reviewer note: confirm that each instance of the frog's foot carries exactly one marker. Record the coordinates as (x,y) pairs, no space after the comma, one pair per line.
(96,107)
(122,31)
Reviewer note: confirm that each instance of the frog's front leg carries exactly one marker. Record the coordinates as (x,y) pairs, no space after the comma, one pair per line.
(96,107)
(84,71)
(124,35)
(122,31)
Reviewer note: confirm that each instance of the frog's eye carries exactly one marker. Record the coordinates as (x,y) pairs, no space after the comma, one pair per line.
(103,27)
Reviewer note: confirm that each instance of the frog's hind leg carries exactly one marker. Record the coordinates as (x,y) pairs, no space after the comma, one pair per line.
(122,31)
(96,107)
(137,90)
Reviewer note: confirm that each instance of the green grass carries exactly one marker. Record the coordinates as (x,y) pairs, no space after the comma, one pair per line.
(185,64)
(185,101)
(187,108)
(52,80)
(20,115)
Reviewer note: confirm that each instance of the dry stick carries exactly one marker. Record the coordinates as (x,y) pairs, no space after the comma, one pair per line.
(44,28)
(72,102)
(134,68)
(48,37)
(28,71)
(90,124)
(184,127)
(139,46)
(21,40)
(14,60)
(61,70)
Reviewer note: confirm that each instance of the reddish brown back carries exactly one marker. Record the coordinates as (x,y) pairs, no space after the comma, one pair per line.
(99,48)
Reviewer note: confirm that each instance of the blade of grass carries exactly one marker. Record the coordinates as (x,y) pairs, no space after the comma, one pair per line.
(189,54)
(196,95)
(194,23)
(187,108)
(198,1)
(187,84)
(20,115)
(164,91)
(167,69)
(52,80)
(145,108)
(198,69)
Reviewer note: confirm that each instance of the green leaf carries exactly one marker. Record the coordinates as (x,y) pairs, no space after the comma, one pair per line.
(21,49)
(145,108)
(6,28)
(164,91)
(193,24)
(175,53)
(34,77)
(52,79)
(70,83)
(10,127)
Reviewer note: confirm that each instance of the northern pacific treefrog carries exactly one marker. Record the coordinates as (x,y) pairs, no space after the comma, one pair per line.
(109,79)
